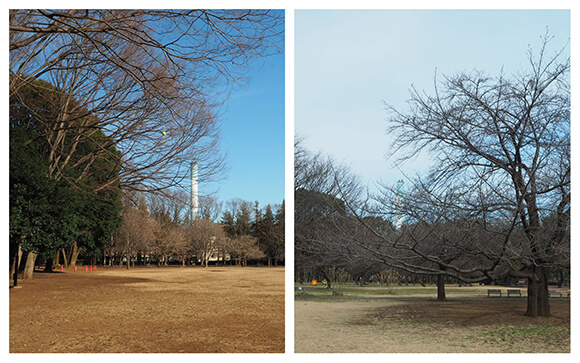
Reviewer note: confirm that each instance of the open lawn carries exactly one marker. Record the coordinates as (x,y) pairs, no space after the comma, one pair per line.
(409,320)
(142,310)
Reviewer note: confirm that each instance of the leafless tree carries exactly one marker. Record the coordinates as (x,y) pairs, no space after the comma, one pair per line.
(137,233)
(388,277)
(438,233)
(323,225)
(170,240)
(319,172)
(243,248)
(153,80)
(210,207)
(496,202)
(501,151)
(171,213)
(336,278)
(207,238)
(171,207)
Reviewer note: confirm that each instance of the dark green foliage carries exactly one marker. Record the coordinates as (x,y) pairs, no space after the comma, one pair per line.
(228,222)
(83,204)
(313,206)
(101,198)
(44,213)
(269,230)
(266,226)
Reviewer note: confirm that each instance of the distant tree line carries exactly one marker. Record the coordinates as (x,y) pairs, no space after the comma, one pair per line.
(157,230)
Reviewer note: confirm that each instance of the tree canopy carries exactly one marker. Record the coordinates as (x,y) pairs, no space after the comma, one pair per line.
(49,213)
(501,150)
(150,79)
(496,202)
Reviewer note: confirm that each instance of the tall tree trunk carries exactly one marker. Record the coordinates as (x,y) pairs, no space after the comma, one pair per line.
(560,278)
(75,250)
(29,267)
(16,264)
(441,288)
(16,261)
(48,265)
(65,260)
(538,297)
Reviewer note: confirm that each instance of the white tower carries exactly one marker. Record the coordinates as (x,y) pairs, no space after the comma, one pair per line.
(399,217)
(194,196)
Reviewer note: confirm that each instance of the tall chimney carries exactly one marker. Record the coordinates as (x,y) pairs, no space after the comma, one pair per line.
(194,196)
(399,216)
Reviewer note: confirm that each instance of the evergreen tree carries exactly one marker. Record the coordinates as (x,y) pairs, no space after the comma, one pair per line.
(48,214)
(228,223)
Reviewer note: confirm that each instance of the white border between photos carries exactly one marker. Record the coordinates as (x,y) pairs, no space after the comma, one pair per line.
(290,7)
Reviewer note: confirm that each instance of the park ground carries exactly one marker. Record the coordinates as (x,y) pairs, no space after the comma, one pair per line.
(149,310)
(410,320)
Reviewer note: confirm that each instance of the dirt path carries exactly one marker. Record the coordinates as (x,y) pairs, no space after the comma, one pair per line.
(426,326)
(143,310)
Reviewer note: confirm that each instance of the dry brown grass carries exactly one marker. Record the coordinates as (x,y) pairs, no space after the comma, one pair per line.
(169,310)
(427,326)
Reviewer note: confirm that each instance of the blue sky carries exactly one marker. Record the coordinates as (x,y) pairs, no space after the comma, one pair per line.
(253,137)
(347,62)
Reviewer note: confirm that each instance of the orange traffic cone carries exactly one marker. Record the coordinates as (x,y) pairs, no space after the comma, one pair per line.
(61,268)
(75,268)
(86,268)
(95,268)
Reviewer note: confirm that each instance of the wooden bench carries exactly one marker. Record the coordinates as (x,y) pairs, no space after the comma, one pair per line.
(514,293)
(493,292)
(555,292)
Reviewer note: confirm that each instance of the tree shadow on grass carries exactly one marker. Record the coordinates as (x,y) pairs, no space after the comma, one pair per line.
(472,312)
